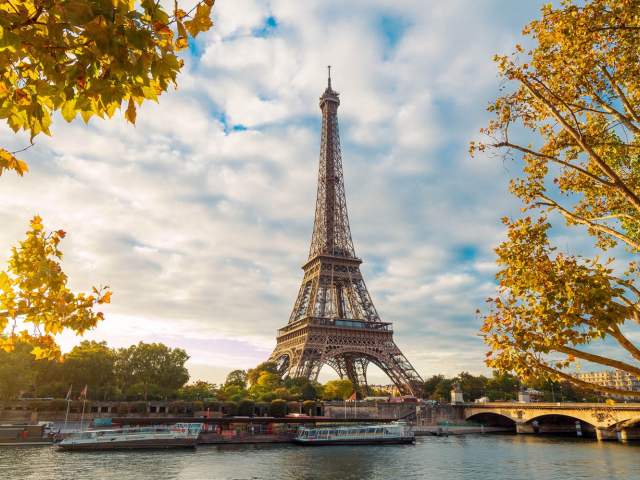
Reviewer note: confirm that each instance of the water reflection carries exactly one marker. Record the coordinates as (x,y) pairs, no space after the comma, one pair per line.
(509,456)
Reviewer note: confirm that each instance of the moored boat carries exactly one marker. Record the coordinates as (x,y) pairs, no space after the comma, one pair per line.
(22,435)
(393,433)
(180,435)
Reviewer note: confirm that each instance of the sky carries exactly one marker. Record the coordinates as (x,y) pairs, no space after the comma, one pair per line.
(200,216)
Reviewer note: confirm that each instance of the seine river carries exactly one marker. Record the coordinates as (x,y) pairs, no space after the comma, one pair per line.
(455,457)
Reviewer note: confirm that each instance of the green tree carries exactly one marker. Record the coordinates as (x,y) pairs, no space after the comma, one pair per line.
(231,409)
(578,93)
(197,391)
(472,387)
(309,407)
(140,391)
(124,368)
(338,389)
(173,374)
(278,408)
(283,394)
(253,374)
(87,57)
(16,372)
(265,385)
(319,388)
(246,407)
(503,386)
(147,360)
(237,377)
(443,390)
(90,363)
(308,392)
(431,383)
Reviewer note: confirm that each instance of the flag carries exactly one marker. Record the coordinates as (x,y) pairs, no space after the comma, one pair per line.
(68,394)
(352,397)
(84,392)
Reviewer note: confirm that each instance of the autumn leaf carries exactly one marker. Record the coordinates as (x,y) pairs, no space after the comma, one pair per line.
(115,50)
(130,114)
(9,162)
(201,21)
(35,288)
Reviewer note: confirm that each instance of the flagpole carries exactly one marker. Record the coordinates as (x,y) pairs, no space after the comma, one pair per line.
(68,403)
(83,404)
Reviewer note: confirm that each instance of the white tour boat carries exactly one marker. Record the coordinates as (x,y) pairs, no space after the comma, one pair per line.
(396,432)
(180,435)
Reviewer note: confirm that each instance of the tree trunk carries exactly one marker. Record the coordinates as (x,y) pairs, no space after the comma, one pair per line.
(146,388)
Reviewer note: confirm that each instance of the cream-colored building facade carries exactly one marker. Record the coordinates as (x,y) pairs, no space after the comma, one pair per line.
(612,379)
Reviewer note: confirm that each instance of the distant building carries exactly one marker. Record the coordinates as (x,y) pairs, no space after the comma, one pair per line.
(612,379)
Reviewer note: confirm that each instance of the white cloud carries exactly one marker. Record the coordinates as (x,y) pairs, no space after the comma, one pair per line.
(200,227)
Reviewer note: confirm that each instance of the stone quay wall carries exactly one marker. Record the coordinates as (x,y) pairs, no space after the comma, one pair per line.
(18,411)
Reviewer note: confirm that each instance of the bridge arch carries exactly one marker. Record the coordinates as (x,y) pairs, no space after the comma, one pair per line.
(493,419)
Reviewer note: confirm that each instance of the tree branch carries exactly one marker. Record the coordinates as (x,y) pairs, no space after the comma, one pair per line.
(623,97)
(608,171)
(595,226)
(556,160)
(590,357)
(624,342)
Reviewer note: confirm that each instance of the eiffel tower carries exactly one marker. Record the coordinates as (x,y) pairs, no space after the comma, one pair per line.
(334,321)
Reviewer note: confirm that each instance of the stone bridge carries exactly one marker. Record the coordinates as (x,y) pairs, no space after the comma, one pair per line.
(602,420)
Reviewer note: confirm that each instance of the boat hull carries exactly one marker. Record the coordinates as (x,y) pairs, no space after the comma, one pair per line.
(133,444)
(21,441)
(355,441)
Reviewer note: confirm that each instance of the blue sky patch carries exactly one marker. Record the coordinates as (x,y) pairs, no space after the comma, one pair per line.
(268,29)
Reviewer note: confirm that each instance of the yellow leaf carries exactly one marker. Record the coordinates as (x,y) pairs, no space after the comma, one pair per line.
(68,110)
(201,22)
(181,43)
(106,298)
(38,352)
(130,113)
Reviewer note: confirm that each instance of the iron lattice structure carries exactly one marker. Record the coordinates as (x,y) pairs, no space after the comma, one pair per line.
(334,321)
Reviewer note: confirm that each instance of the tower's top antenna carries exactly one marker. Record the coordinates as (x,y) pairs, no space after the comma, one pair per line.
(329,68)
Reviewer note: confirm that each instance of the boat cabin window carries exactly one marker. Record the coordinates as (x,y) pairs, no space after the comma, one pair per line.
(312,433)
(86,436)
(362,431)
(378,431)
(370,431)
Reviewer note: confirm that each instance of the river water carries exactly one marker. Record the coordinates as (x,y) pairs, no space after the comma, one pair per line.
(456,457)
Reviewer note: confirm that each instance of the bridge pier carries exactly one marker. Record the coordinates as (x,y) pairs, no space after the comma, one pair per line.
(603,433)
(523,428)
(627,434)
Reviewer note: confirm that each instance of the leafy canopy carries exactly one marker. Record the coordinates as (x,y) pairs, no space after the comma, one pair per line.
(578,94)
(34,288)
(87,57)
